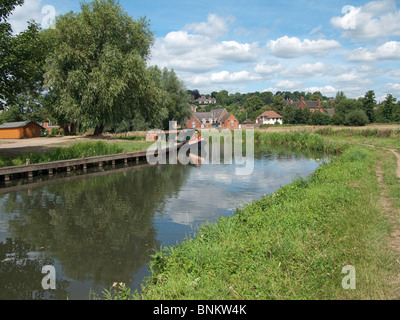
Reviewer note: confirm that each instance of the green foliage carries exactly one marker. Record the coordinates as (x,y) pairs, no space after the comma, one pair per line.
(356,118)
(22,58)
(97,70)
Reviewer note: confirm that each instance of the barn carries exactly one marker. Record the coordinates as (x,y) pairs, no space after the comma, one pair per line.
(19,130)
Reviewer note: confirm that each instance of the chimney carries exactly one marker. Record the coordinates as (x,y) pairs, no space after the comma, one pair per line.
(319,102)
(302,98)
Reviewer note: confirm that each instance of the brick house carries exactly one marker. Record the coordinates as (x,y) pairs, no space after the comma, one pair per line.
(229,121)
(218,118)
(269,117)
(312,105)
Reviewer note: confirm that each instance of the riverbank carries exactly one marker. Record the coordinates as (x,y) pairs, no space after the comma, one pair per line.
(69,149)
(294,244)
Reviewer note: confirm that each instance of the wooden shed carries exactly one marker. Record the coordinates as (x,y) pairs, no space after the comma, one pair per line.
(19,130)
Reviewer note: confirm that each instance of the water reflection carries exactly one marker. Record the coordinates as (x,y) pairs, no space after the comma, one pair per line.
(101,229)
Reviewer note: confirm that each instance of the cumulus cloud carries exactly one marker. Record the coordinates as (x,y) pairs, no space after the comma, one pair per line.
(215,26)
(268,68)
(325,90)
(292,47)
(374,20)
(387,51)
(225,77)
(393,88)
(352,78)
(199,52)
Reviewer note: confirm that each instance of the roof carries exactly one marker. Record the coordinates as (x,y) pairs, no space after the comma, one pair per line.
(269,114)
(20,124)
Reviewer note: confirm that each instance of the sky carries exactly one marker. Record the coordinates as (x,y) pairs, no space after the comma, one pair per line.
(265,45)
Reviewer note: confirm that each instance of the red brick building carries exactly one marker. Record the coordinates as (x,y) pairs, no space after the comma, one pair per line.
(218,118)
(312,105)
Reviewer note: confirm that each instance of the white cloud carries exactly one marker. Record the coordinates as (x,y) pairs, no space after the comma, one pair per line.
(352,78)
(326,90)
(224,77)
(387,51)
(215,26)
(292,47)
(288,85)
(30,10)
(268,68)
(372,21)
(189,52)
(393,88)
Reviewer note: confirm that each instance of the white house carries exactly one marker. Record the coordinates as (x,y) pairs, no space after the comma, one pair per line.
(269,117)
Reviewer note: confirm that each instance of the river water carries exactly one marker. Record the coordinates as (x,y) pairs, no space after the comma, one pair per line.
(101,228)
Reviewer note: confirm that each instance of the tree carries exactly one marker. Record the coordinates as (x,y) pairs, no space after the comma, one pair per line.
(22,58)
(369,103)
(222,97)
(278,103)
(196,94)
(356,118)
(388,106)
(253,107)
(396,112)
(340,96)
(344,107)
(174,98)
(97,70)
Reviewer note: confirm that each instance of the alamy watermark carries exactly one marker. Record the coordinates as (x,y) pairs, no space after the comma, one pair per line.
(210,148)
(49,17)
(349,281)
(349,20)
(49,281)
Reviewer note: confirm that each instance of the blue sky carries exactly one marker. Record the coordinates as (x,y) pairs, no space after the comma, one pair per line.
(246,46)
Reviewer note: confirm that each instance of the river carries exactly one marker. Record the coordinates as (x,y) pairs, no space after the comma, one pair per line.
(102,228)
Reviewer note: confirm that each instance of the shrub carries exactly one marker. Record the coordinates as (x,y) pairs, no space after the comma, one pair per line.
(356,118)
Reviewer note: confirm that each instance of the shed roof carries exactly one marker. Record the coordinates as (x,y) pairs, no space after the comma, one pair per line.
(20,124)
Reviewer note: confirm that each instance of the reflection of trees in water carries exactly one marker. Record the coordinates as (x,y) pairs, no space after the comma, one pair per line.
(99,229)
(21,273)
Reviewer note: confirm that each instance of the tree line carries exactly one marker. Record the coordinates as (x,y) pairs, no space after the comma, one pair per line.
(346,111)
(88,71)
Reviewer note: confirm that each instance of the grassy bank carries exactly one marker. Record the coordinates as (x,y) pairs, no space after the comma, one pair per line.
(292,244)
(90,149)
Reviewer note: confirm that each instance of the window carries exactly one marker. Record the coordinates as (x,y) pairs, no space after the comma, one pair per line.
(232,123)
(193,124)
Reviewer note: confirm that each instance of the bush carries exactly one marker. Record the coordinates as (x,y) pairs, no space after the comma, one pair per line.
(356,118)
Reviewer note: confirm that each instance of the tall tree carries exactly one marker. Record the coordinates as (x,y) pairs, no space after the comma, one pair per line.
(174,100)
(97,69)
(369,103)
(22,58)
(388,106)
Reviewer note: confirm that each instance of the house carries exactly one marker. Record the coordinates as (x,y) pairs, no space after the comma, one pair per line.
(269,117)
(229,121)
(204,100)
(203,120)
(19,130)
(312,105)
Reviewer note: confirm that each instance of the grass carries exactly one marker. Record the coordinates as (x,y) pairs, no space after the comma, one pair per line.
(90,149)
(292,244)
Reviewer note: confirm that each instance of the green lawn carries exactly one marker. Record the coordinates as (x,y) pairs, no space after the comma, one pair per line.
(74,151)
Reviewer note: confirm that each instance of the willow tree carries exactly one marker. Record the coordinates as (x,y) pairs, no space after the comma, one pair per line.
(97,68)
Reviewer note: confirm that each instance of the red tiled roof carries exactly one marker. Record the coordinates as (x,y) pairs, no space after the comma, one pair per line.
(269,114)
